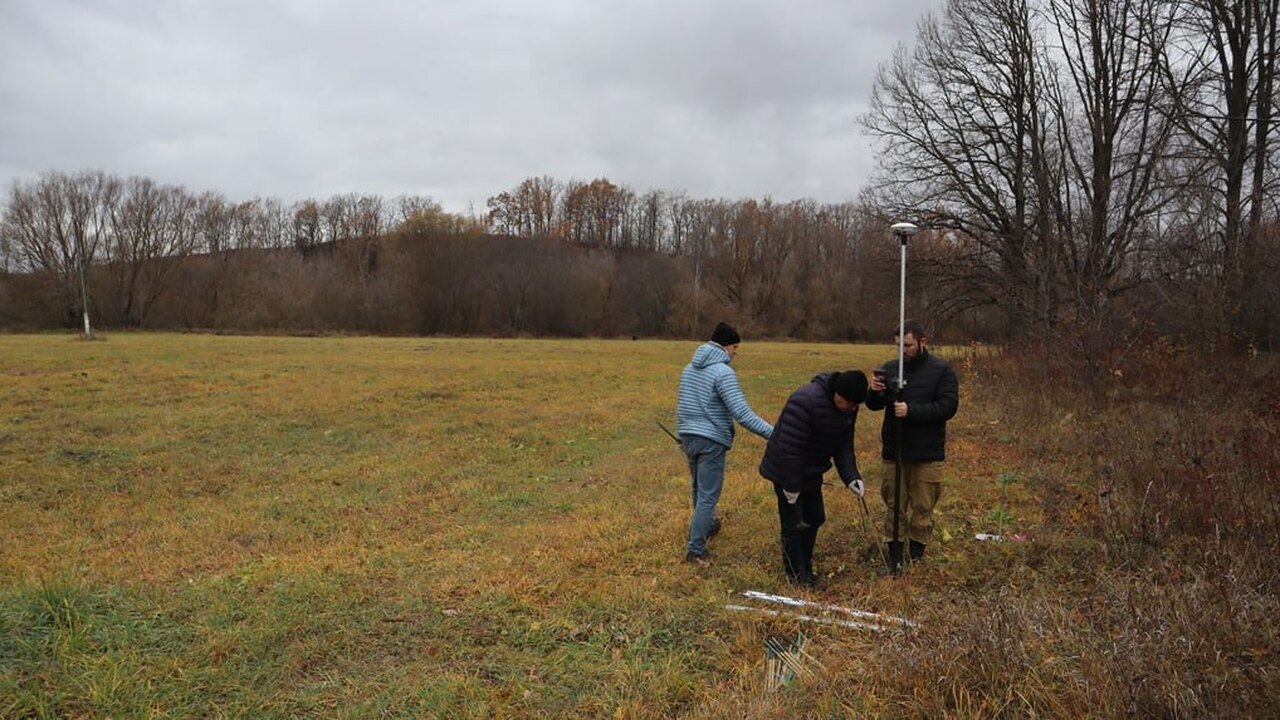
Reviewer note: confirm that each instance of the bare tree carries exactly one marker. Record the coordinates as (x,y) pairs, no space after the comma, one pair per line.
(1043,165)
(651,221)
(213,222)
(750,243)
(152,228)
(1113,141)
(1221,76)
(371,217)
(679,214)
(58,225)
(963,124)
(337,216)
(540,198)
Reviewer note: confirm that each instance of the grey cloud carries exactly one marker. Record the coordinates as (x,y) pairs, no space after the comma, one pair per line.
(453,98)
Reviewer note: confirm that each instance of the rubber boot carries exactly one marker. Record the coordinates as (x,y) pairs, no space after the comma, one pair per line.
(808,539)
(916,551)
(792,559)
(894,559)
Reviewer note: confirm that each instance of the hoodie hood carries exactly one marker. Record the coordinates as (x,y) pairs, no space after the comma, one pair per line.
(709,354)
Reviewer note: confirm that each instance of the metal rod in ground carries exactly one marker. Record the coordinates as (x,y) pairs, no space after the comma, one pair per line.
(798,602)
(866,516)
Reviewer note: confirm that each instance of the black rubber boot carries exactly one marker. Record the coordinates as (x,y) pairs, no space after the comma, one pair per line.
(916,550)
(808,539)
(894,559)
(792,558)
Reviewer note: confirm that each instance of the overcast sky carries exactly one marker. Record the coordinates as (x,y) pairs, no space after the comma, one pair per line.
(456,99)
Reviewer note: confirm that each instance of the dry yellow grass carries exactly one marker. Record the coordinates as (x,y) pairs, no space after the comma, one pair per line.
(357,527)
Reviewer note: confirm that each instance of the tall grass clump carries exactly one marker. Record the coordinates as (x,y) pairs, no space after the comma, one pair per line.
(1152,589)
(1175,445)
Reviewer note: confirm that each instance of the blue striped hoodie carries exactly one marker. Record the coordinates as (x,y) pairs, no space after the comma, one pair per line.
(710,399)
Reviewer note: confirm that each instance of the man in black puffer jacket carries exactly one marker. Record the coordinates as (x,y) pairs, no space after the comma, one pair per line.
(815,428)
(929,398)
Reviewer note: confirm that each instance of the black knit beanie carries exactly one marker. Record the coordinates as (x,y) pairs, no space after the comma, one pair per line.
(725,335)
(850,385)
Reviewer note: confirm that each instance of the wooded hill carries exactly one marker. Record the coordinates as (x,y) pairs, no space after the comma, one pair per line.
(583,259)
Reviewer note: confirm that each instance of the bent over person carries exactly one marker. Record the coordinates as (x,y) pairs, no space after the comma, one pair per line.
(815,428)
(709,401)
(929,397)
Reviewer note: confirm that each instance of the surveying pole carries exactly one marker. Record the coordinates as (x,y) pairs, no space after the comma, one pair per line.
(903,231)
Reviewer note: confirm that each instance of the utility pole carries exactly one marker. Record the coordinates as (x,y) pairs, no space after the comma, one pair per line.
(84,289)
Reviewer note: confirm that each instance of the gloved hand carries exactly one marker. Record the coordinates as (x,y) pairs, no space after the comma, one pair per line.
(791,497)
(856,487)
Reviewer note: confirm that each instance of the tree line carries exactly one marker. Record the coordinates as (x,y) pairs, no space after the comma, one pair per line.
(146,255)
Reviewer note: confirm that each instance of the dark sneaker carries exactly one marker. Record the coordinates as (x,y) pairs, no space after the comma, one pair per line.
(704,559)
(715,528)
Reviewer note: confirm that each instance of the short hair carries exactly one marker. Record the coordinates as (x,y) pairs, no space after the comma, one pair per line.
(914,328)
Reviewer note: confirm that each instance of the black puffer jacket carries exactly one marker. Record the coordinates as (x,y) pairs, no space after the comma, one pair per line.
(932,396)
(809,435)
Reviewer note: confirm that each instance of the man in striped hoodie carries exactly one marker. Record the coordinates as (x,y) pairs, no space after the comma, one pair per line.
(709,400)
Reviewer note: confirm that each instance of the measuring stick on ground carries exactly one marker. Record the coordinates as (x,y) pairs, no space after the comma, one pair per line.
(810,618)
(797,602)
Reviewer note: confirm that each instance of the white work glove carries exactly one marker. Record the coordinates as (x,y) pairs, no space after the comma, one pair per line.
(791,497)
(856,487)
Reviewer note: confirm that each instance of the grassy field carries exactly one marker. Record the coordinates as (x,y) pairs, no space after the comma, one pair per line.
(222,526)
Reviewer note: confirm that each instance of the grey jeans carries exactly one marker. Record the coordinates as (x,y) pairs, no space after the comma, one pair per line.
(706,475)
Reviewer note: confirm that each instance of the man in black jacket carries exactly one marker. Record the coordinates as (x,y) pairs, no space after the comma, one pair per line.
(929,398)
(815,428)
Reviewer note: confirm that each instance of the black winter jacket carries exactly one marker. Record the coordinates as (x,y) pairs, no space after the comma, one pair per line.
(932,395)
(809,435)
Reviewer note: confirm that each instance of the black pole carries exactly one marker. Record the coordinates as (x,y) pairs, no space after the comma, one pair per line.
(673,435)
(895,547)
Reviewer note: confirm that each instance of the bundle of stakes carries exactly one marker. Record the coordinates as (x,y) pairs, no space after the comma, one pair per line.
(784,662)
